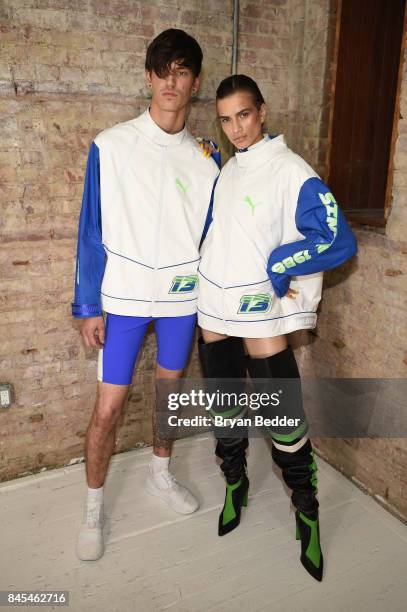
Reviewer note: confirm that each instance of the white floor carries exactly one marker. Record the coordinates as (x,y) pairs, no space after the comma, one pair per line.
(156,560)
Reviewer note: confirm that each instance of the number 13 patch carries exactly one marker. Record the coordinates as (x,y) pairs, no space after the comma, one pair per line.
(183,284)
(250,304)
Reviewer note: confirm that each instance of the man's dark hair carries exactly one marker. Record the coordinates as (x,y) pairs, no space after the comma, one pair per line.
(240,82)
(173,46)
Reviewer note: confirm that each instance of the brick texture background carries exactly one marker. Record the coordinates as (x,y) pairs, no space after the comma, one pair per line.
(362,331)
(286,46)
(69,70)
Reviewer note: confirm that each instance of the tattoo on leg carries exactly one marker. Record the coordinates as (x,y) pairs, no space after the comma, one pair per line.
(159,442)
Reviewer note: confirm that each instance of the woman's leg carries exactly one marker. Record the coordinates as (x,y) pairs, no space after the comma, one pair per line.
(292,450)
(222,357)
(210,336)
(259,348)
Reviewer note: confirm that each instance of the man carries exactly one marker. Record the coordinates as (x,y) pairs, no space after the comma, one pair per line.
(147,196)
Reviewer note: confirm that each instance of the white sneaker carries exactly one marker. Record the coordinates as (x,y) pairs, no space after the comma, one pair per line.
(90,546)
(165,486)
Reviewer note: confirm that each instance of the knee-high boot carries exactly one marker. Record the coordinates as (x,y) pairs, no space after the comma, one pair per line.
(295,457)
(225,359)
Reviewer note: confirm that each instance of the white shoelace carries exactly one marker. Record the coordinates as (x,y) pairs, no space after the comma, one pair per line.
(167,477)
(93,515)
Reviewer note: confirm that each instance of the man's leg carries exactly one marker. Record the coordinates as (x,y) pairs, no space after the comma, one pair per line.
(101,432)
(162,447)
(174,339)
(100,441)
(116,361)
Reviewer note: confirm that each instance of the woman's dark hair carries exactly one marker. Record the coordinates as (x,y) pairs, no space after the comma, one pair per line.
(240,82)
(173,46)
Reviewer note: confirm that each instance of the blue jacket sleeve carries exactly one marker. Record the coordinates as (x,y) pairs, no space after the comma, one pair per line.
(328,241)
(216,156)
(91,256)
(208,220)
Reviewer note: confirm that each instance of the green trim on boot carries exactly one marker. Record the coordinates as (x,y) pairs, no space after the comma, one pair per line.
(311,554)
(226,414)
(228,512)
(297,433)
(236,497)
(297,532)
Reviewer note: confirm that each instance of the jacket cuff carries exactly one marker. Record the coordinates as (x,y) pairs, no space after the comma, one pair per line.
(84,311)
(280,282)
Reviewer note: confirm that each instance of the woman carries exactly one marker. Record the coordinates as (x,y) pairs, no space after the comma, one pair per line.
(276,227)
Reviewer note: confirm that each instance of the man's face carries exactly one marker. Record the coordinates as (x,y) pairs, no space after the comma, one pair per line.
(173,92)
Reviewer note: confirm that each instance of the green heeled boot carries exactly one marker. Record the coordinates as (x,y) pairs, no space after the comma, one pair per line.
(236,497)
(307,530)
(298,467)
(224,366)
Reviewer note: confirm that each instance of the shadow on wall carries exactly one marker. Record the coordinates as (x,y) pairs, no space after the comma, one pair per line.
(316,344)
(335,277)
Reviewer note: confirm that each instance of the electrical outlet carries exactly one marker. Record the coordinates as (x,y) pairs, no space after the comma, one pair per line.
(5,395)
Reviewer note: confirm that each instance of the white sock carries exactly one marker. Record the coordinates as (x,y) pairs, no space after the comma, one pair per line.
(95,496)
(159,464)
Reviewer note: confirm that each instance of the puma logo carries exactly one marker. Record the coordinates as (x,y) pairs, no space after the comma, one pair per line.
(179,184)
(252,205)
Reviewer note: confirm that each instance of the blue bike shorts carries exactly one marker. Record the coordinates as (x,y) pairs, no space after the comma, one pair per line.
(124,336)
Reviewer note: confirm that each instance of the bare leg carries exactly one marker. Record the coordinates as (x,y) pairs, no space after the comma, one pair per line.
(265,347)
(210,336)
(161,482)
(100,440)
(256,347)
(161,447)
(101,432)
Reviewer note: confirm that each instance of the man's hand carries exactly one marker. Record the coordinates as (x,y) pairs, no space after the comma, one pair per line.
(93,332)
(206,146)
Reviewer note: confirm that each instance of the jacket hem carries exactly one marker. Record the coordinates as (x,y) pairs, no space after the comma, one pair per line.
(257,329)
(148,309)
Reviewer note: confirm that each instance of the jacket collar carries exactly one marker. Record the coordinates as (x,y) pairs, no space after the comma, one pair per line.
(153,132)
(260,152)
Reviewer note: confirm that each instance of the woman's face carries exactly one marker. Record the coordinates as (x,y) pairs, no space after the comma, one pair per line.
(241,120)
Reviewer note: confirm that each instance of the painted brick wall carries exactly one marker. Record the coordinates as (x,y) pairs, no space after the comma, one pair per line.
(285,45)
(69,69)
(362,331)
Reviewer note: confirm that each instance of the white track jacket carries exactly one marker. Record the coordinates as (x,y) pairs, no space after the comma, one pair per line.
(275,225)
(146,200)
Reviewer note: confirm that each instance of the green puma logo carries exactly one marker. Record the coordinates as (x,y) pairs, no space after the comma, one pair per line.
(179,184)
(252,205)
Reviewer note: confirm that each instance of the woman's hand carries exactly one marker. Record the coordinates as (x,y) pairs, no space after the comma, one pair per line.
(291,293)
